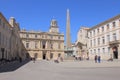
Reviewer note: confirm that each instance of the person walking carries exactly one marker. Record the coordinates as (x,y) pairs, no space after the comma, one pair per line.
(99,59)
(33,59)
(95,58)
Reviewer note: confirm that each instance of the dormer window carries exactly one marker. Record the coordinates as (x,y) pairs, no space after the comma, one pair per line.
(102,29)
(108,26)
(114,37)
(35,35)
(94,32)
(58,37)
(114,24)
(98,30)
(27,35)
(90,34)
(51,37)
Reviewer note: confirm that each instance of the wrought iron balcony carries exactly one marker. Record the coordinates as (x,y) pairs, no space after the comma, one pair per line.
(114,42)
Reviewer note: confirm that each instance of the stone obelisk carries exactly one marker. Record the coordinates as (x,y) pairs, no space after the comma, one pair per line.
(68,40)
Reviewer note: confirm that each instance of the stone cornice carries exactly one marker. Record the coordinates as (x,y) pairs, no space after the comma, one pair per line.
(42,33)
(105,22)
(40,39)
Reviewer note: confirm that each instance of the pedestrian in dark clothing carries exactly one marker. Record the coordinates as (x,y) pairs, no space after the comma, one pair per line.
(34,60)
(95,58)
(20,59)
(99,59)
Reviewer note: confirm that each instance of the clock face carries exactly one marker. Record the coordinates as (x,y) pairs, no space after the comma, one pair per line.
(54,30)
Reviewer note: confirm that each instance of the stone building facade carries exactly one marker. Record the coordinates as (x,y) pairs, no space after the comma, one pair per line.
(81,43)
(44,45)
(104,39)
(10,43)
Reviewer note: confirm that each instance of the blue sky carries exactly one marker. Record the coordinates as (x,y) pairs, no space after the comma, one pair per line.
(37,14)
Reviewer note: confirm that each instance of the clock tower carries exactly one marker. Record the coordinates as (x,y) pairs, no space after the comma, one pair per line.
(54,27)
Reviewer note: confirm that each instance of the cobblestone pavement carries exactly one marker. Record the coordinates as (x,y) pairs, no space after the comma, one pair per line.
(67,70)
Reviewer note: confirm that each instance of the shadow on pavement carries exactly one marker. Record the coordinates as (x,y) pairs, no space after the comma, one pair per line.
(12,66)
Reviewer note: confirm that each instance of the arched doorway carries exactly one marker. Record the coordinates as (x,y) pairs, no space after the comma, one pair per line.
(44,56)
(115,52)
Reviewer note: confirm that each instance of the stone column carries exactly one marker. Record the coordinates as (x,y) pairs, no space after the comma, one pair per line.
(68,39)
(48,55)
(39,44)
(46,45)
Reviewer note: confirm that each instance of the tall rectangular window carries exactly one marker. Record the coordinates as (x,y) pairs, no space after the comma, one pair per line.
(46,36)
(103,40)
(119,23)
(42,36)
(98,41)
(108,50)
(103,50)
(98,30)
(113,24)
(36,45)
(59,46)
(108,27)
(35,35)
(27,45)
(91,43)
(94,42)
(108,38)
(94,51)
(51,45)
(90,34)
(91,51)
(102,29)
(27,35)
(40,44)
(58,37)
(114,37)
(93,32)
(98,51)
(51,37)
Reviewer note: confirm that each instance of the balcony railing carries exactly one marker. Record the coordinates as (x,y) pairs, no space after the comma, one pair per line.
(114,42)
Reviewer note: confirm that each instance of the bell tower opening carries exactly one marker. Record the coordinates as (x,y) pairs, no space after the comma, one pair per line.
(54,27)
